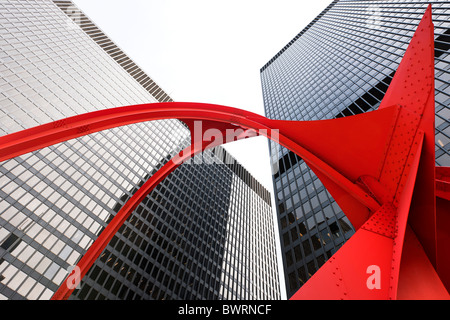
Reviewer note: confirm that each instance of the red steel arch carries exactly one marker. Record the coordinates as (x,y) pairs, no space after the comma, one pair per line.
(371,163)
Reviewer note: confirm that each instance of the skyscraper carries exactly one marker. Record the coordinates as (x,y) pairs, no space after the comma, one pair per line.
(206,232)
(341,64)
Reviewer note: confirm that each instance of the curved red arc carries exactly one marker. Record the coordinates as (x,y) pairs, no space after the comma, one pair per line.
(32,139)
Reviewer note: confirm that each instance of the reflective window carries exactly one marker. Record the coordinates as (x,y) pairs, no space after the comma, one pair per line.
(339,66)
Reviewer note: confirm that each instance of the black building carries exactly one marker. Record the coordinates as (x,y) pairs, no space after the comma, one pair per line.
(341,64)
(192,238)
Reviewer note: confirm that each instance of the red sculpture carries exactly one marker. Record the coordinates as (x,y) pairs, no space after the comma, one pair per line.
(379,167)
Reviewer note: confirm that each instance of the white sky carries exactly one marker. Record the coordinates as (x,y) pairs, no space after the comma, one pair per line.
(207,51)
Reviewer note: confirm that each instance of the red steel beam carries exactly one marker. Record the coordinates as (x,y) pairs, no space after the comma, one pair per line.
(443,183)
(442,223)
(290,134)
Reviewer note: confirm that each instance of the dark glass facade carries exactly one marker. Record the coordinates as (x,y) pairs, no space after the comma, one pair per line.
(341,64)
(206,248)
(206,232)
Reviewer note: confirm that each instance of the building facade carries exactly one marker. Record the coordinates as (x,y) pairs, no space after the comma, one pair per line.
(341,64)
(205,233)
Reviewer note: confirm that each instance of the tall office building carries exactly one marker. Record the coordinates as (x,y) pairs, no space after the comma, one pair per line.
(194,237)
(206,232)
(341,64)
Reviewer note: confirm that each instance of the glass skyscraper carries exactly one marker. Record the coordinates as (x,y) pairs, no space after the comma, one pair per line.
(341,64)
(206,232)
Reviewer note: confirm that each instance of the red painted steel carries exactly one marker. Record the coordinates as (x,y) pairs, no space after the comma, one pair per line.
(418,278)
(443,183)
(442,223)
(378,243)
(289,134)
(406,189)
(379,166)
(443,239)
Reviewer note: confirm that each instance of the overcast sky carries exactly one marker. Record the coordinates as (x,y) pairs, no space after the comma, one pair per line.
(207,50)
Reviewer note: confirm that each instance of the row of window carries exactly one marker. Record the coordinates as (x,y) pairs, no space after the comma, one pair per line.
(179,254)
(56,200)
